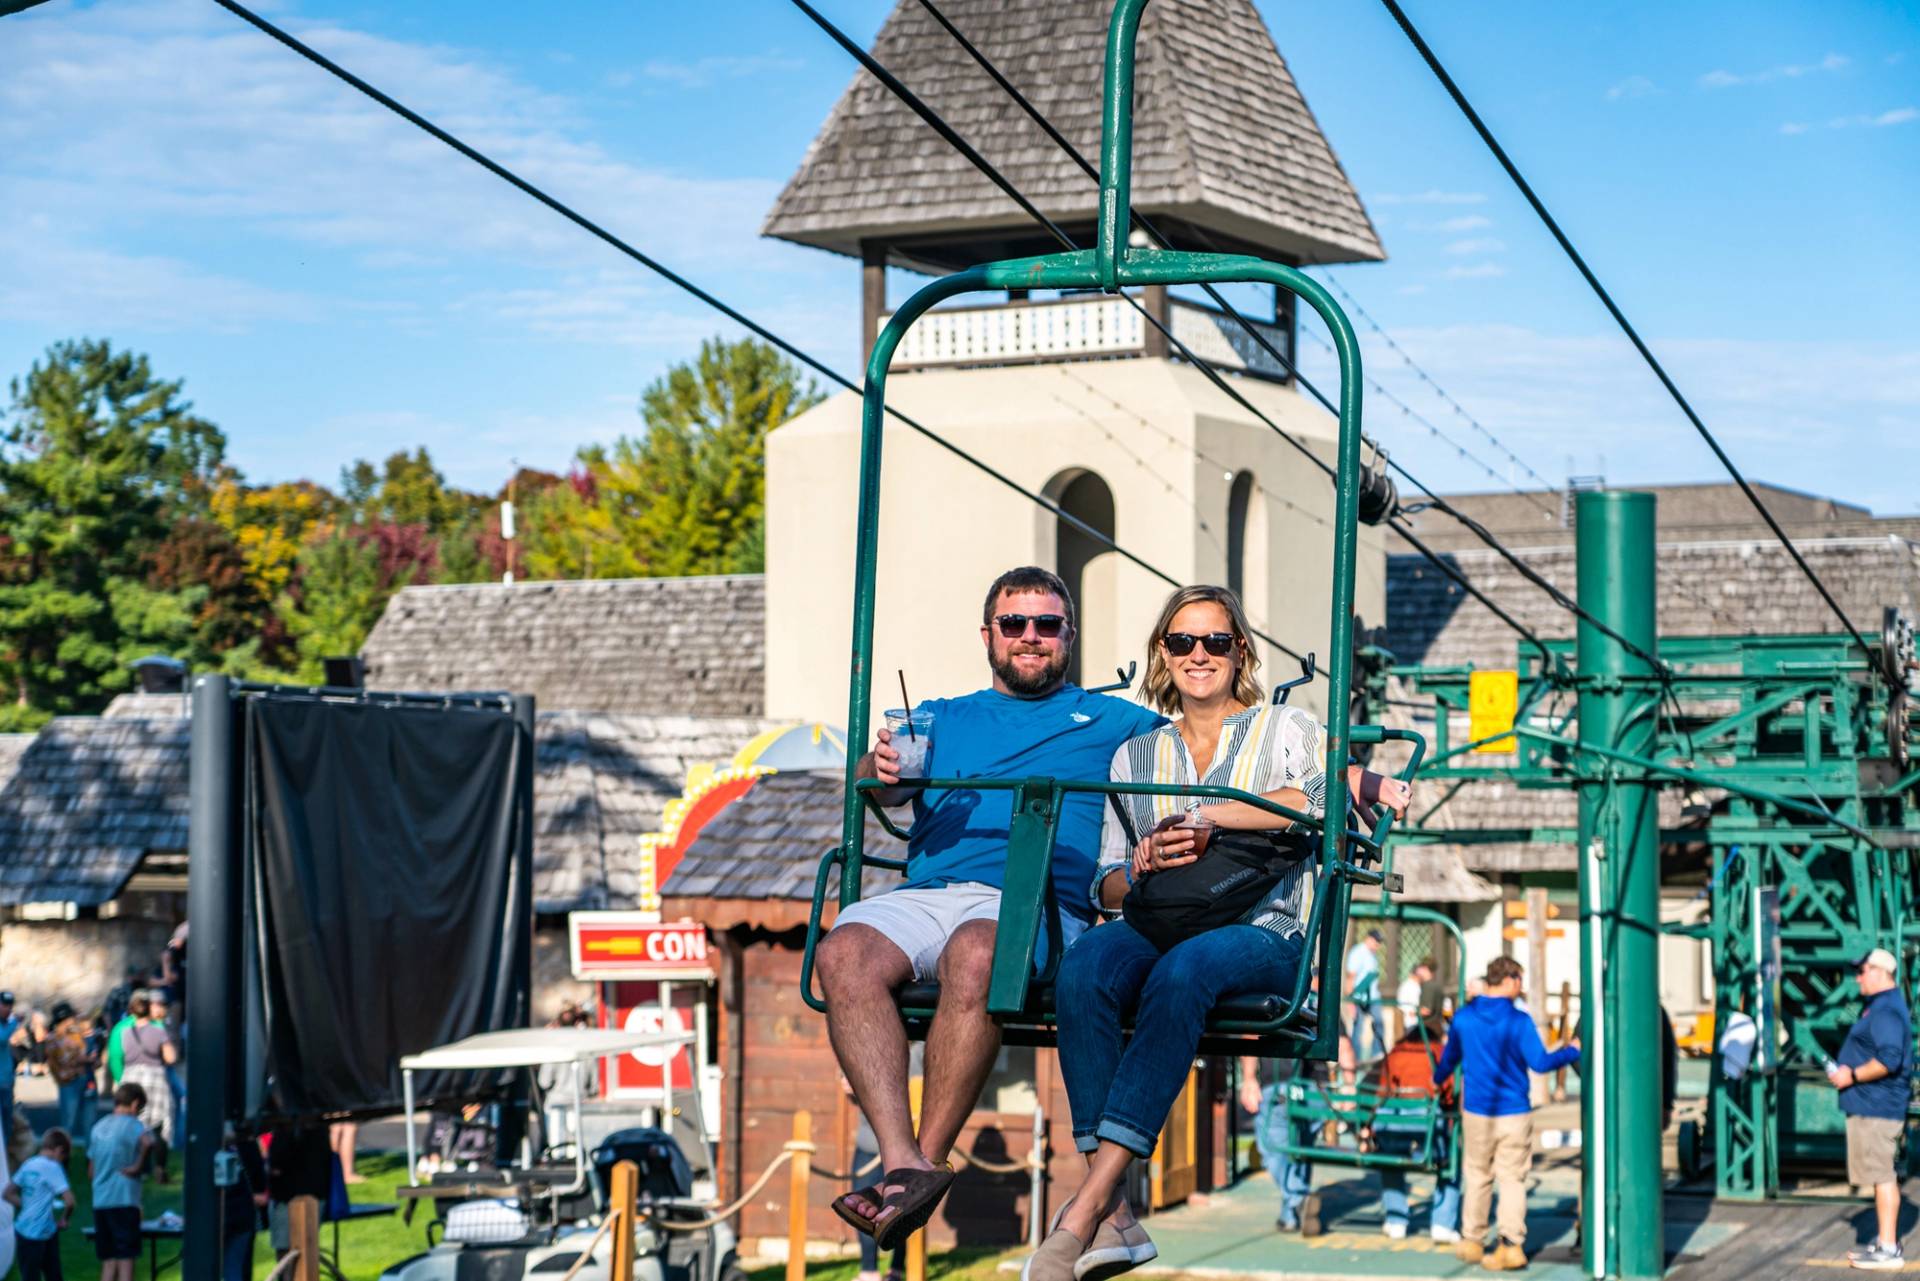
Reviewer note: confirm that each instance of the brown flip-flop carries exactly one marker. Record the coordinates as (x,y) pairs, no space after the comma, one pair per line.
(843,1206)
(918,1197)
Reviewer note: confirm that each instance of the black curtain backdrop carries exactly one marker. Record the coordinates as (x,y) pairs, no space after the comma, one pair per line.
(390,898)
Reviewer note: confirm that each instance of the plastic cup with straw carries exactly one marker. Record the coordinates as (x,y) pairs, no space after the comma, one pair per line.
(911,729)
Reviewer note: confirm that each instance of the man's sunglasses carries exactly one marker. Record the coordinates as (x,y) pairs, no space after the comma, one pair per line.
(1014,626)
(1180,644)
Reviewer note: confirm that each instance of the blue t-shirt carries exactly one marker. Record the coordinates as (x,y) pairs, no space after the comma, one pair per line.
(1363,967)
(1070,734)
(1497,1042)
(42,1183)
(115,1142)
(1884,1033)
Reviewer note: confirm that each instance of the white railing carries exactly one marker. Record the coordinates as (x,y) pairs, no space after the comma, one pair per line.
(1078,329)
(1006,333)
(1218,339)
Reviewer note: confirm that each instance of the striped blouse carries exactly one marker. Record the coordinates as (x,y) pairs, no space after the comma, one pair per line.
(1261,750)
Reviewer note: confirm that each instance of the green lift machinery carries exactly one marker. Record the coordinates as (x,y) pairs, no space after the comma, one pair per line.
(1795,757)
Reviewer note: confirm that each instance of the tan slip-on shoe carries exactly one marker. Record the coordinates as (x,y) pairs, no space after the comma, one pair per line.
(1470,1251)
(1113,1251)
(1505,1257)
(1055,1258)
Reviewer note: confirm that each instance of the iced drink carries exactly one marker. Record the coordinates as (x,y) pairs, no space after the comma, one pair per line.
(1191,821)
(911,746)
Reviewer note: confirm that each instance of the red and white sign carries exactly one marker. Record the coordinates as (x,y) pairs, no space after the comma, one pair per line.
(630,945)
(635,1007)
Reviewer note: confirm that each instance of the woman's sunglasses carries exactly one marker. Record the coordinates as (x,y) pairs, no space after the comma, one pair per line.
(1180,644)
(1014,626)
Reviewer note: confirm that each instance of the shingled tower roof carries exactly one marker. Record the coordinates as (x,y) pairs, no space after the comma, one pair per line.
(1226,153)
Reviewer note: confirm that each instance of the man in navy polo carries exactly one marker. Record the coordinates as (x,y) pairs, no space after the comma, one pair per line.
(1873,1074)
(1030,722)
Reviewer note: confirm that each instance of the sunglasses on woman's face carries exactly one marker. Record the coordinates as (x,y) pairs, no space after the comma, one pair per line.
(1180,644)
(1014,626)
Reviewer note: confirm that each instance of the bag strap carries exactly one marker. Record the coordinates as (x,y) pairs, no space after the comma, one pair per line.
(1126,821)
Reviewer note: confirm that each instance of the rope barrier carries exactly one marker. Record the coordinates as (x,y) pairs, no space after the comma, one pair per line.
(788,1151)
(281,1268)
(587,1254)
(1032,1163)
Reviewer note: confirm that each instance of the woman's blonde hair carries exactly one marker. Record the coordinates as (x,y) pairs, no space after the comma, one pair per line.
(1158,686)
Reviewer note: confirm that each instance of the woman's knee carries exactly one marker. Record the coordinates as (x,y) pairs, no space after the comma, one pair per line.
(1092,971)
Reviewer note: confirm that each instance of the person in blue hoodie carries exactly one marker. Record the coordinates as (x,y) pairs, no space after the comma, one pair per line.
(1495,1043)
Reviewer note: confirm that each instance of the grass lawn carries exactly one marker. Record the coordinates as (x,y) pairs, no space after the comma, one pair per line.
(367,1247)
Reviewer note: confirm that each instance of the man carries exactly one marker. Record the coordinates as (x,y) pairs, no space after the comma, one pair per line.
(1497,1043)
(940,924)
(117,1153)
(13,1030)
(1411,995)
(1872,1074)
(1361,984)
(1408,1073)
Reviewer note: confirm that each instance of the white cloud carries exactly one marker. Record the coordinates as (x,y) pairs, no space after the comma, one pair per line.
(1897,116)
(704,72)
(1632,87)
(1722,79)
(1477,245)
(1477,271)
(1791,128)
(1430,197)
(1454,226)
(155,122)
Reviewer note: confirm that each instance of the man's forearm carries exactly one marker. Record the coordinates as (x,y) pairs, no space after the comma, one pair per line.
(889,796)
(1871,1070)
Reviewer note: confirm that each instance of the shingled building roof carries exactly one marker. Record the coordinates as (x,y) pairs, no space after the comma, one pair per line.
(87,799)
(1721,588)
(648,646)
(1223,140)
(768,843)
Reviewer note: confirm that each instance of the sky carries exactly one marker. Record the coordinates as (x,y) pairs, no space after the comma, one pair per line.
(331,284)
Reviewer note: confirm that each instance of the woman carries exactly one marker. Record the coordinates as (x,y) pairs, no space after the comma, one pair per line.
(70,1064)
(147,1051)
(1200,667)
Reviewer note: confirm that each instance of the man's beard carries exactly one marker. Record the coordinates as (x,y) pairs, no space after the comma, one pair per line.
(1031,685)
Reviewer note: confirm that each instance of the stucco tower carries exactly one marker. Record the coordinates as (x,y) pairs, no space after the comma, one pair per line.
(1078,396)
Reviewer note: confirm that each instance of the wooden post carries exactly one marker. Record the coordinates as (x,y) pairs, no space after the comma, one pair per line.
(1537,974)
(621,1198)
(1154,299)
(873,292)
(917,1243)
(800,1170)
(303,1237)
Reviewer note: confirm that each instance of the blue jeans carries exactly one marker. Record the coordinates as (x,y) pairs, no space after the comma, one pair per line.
(1121,1090)
(1293,1179)
(73,1103)
(1445,1211)
(1374,1016)
(237,1258)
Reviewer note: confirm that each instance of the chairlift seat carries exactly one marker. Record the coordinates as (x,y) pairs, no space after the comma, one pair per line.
(1228,1027)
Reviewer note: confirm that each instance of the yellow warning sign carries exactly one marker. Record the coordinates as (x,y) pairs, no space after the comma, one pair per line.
(1492,700)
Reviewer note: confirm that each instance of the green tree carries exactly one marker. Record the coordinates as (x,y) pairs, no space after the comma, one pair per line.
(407,490)
(98,457)
(339,599)
(689,497)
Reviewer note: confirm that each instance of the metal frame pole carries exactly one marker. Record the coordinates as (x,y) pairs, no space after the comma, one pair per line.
(213,969)
(1619,890)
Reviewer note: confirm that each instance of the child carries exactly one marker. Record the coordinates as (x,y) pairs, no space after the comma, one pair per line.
(117,1158)
(42,1203)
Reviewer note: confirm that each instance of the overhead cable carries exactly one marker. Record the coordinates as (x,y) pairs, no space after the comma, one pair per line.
(654,265)
(946,131)
(1613,309)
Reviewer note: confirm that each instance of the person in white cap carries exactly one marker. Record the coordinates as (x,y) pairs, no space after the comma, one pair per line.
(1872,1074)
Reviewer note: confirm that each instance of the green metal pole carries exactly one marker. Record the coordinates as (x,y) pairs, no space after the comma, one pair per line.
(1619,894)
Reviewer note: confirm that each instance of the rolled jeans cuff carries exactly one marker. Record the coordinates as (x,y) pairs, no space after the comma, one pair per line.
(1117,1131)
(1085,1139)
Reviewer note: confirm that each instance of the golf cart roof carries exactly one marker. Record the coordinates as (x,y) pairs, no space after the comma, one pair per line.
(534,1046)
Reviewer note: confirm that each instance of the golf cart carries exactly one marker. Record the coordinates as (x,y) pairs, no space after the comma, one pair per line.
(539,1215)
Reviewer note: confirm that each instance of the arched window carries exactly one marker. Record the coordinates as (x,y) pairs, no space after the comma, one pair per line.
(1089,567)
(1247,546)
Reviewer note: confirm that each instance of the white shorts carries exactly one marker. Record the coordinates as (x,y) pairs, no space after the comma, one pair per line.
(919,921)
